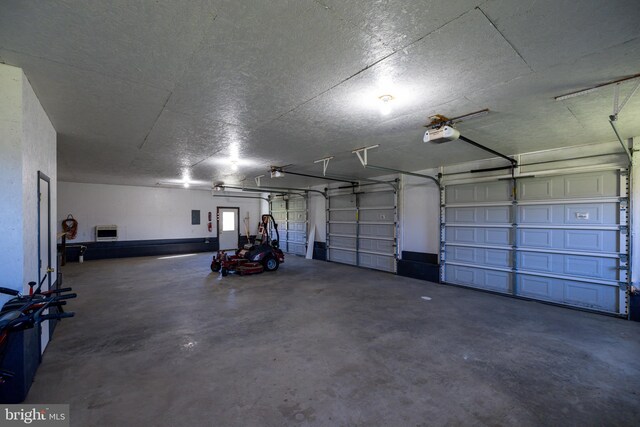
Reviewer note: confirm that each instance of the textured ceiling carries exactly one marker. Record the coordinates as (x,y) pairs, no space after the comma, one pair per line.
(139,91)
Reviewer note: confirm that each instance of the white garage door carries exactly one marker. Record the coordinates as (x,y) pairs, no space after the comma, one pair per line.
(291,215)
(361,229)
(562,239)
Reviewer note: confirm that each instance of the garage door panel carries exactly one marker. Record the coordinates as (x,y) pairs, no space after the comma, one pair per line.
(570,265)
(590,185)
(346,201)
(298,227)
(570,292)
(378,262)
(278,205)
(480,256)
(297,204)
(350,229)
(579,214)
(377,230)
(484,214)
(280,217)
(593,214)
(579,240)
(342,256)
(342,215)
(587,185)
(478,192)
(377,199)
(479,235)
(383,246)
(296,236)
(343,242)
(497,236)
(296,248)
(588,240)
(377,215)
(499,281)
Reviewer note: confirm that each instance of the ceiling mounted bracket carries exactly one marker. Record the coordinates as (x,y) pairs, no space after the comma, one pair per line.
(617,108)
(328,178)
(362,153)
(325,164)
(438,120)
(257,179)
(594,88)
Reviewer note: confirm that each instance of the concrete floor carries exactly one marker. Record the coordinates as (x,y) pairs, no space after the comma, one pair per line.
(166,342)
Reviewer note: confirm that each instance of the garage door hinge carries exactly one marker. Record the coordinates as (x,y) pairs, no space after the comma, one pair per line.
(623,285)
(624,229)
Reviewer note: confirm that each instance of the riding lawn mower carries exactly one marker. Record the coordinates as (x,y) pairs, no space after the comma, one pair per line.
(263,254)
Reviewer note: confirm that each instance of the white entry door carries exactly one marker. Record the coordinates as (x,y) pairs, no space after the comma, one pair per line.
(228,226)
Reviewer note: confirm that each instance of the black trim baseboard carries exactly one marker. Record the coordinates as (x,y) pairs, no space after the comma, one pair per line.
(419,265)
(634,307)
(320,251)
(136,248)
(420,257)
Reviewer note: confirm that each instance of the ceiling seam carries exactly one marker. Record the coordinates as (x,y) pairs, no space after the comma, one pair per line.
(175,83)
(368,66)
(155,122)
(574,116)
(504,38)
(205,159)
(87,70)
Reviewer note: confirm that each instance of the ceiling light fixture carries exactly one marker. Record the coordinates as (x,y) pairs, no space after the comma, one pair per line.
(234,165)
(186,177)
(385,107)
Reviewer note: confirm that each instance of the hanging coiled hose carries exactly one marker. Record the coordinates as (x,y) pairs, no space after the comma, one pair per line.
(70,226)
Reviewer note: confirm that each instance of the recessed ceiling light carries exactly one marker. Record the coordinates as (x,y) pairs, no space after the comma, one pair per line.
(234,165)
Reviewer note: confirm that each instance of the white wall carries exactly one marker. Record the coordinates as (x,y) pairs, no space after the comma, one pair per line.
(419,214)
(11,221)
(146,213)
(317,213)
(27,145)
(38,154)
